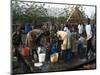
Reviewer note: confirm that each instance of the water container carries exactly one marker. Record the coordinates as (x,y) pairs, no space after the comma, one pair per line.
(25,51)
(54,57)
(42,57)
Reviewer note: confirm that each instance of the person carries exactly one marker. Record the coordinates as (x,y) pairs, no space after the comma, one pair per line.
(65,46)
(89,38)
(16,41)
(80,29)
(61,27)
(66,29)
(22,57)
(32,41)
(32,27)
(80,46)
(54,47)
(27,28)
(45,43)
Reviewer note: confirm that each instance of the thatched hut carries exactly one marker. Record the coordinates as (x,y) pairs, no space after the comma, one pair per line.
(75,17)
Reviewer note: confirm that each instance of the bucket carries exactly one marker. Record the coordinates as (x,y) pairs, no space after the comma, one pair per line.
(54,57)
(42,57)
(25,51)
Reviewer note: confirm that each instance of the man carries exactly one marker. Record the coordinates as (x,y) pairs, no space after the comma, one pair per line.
(89,37)
(32,42)
(80,29)
(65,46)
(16,40)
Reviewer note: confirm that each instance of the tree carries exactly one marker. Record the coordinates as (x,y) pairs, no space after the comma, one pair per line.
(35,11)
(16,10)
(62,19)
(27,11)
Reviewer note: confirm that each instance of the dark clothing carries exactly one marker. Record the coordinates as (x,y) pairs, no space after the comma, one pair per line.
(16,43)
(66,54)
(27,28)
(16,39)
(90,47)
(54,48)
(24,67)
(47,55)
(79,47)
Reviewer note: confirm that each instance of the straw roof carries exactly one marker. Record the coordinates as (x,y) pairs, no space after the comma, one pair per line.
(75,16)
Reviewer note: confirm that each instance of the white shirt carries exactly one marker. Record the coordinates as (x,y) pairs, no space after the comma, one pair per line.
(88,31)
(68,31)
(80,29)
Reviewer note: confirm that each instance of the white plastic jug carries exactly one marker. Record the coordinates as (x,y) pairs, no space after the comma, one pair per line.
(42,57)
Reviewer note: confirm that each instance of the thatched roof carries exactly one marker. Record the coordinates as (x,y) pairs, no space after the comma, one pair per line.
(75,16)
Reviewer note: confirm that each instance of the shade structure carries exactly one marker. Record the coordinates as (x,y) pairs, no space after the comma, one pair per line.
(75,17)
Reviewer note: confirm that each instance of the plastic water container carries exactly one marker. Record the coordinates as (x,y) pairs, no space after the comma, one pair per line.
(54,57)
(42,57)
(25,51)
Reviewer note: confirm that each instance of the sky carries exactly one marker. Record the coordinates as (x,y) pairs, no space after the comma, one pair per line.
(89,10)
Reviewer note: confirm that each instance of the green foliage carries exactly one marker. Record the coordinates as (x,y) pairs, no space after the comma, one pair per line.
(62,19)
(29,12)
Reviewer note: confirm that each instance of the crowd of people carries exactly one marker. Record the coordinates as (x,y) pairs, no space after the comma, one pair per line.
(38,39)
